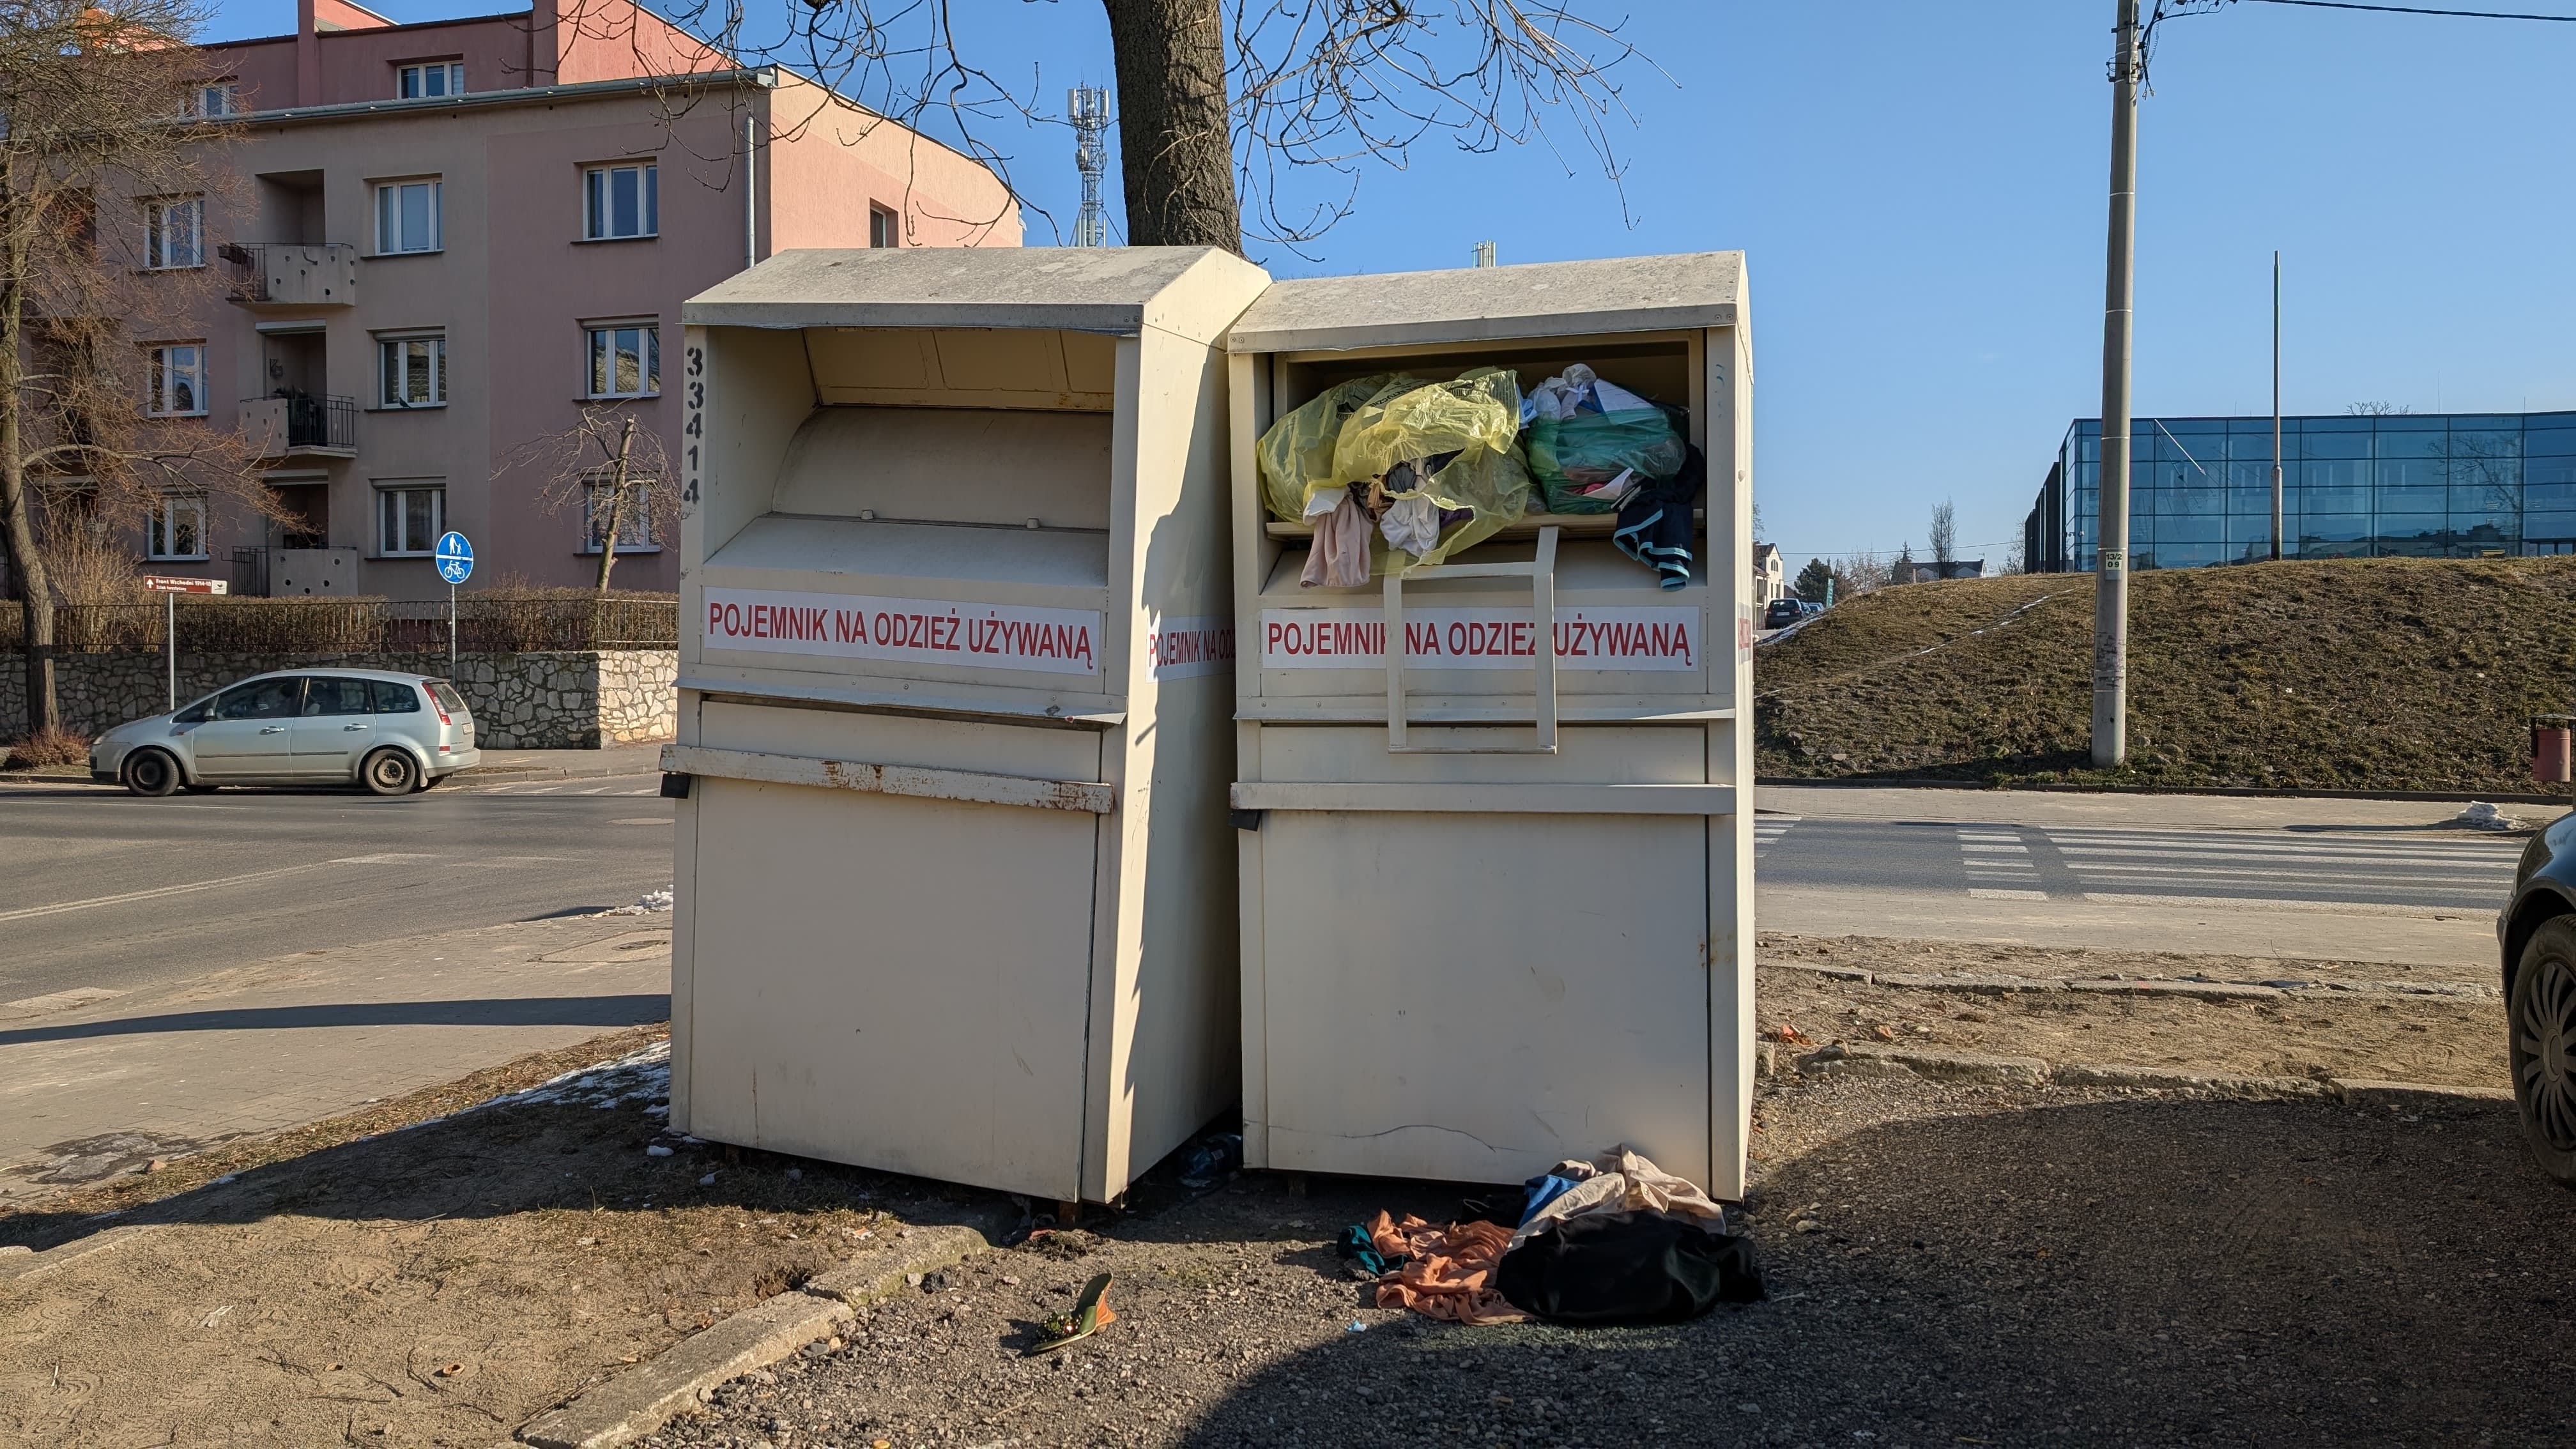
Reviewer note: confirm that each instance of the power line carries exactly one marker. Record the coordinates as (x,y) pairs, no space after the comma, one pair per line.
(2420,10)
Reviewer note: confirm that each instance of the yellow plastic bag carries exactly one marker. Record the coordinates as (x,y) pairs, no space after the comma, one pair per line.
(1358,431)
(1408,419)
(1296,454)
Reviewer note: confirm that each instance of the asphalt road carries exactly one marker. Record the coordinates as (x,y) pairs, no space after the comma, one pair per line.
(105,890)
(2349,865)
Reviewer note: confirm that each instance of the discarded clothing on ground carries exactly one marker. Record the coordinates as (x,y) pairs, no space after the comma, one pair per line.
(1618,1181)
(1612,1240)
(1619,1240)
(1656,526)
(1627,1267)
(1446,1272)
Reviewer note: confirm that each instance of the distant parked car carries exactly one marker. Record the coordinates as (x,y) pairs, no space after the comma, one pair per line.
(1782,613)
(393,733)
(2537,931)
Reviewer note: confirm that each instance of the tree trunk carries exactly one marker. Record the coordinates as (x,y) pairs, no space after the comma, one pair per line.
(26,566)
(1175,135)
(608,541)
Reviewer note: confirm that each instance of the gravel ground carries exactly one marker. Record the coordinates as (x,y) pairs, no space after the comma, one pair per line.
(1947,1266)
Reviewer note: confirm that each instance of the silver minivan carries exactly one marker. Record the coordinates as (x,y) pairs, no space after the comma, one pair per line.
(393,733)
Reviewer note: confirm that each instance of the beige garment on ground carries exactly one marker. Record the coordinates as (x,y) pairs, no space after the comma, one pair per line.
(1620,1181)
(1447,1273)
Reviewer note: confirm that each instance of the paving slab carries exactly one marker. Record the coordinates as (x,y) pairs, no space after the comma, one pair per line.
(88,1090)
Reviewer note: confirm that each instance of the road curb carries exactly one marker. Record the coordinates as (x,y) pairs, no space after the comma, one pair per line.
(2367,1092)
(19,1267)
(1841,1060)
(2276,990)
(2252,792)
(644,1398)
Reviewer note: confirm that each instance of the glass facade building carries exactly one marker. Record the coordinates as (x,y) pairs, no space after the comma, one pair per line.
(2441,486)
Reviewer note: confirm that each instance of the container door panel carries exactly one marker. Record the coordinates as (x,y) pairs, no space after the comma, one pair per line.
(893,982)
(1526,982)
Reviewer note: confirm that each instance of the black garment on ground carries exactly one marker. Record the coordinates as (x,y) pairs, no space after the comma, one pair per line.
(1599,1269)
(1655,523)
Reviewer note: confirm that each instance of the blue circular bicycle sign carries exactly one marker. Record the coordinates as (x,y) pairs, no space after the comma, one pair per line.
(455,557)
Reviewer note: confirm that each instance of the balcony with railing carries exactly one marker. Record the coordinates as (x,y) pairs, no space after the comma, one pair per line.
(301,426)
(293,274)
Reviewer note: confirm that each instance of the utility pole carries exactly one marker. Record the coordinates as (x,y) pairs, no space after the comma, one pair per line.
(2276,405)
(2111,551)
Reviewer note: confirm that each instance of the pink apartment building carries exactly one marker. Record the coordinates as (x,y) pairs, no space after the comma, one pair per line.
(453,236)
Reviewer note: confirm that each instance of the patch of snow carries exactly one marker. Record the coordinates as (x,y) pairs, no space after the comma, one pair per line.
(2482,816)
(649,903)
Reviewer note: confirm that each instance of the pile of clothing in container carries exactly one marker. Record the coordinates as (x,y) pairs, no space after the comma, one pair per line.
(1395,472)
(1610,1241)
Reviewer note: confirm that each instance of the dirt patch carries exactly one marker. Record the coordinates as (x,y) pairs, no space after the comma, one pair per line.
(1977,1266)
(434,1285)
(1884,953)
(2368,674)
(2450,1040)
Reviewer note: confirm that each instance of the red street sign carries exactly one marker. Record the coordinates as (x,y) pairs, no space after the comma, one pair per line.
(175,584)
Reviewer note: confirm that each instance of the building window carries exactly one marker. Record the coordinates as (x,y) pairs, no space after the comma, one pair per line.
(178,528)
(626,360)
(634,521)
(885,229)
(434,78)
(178,380)
(409,518)
(213,99)
(621,201)
(412,371)
(407,217)
(174,232)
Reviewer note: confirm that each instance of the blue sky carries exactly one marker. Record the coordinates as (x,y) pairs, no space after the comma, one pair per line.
(1919,189)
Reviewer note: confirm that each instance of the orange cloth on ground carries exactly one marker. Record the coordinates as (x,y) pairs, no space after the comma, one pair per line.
(1447,1273)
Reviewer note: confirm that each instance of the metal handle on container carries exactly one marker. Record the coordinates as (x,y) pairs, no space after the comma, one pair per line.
(1541,572)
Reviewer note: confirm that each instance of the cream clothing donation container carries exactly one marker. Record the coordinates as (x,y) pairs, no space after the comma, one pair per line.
(1496,869)
(955,686)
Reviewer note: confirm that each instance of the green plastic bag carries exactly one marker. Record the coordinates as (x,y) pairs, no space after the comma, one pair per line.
(1569,455)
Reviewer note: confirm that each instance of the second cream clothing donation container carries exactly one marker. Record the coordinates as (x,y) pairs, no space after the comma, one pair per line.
(1497,898)
(954,887)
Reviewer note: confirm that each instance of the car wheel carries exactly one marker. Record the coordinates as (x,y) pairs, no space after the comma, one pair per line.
(390,772)
(152,772)
(2542,1046)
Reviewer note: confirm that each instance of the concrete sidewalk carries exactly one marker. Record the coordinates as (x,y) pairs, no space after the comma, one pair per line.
(2050,807)
(93,1083)
(2447,945)
(563,764)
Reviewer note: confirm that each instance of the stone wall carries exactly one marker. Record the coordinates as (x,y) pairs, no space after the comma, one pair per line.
(538,701)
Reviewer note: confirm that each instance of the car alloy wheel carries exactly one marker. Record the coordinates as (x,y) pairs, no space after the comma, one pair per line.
(2542,1050)
(390,772)
(152,773)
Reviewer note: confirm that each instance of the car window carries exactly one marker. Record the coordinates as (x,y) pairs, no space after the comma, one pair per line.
(260,699)
(393,696)
(448,698)
(331,695)
(198,713)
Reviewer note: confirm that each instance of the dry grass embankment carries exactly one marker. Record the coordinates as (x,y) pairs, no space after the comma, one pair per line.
(2361,674)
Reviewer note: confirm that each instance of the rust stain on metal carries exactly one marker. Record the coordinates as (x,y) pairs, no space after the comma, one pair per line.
(842,775)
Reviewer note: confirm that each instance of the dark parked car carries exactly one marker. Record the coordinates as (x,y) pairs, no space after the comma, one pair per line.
(1782,613)
(2537,930)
